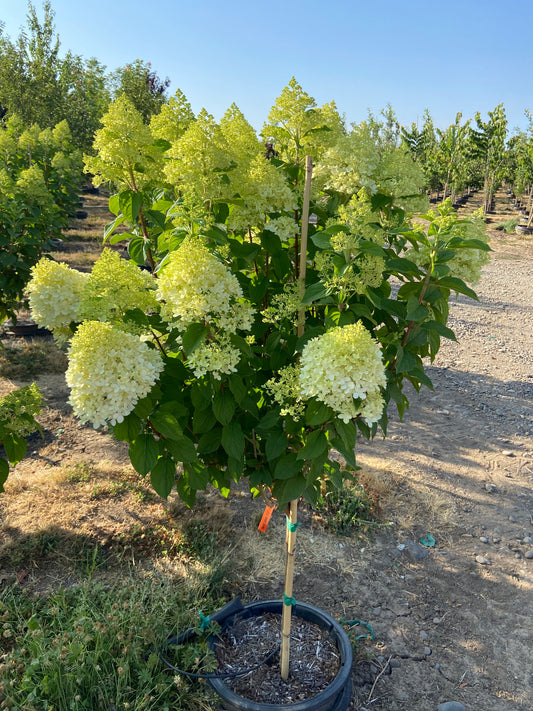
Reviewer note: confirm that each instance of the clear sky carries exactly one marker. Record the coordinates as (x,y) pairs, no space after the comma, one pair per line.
(447,56)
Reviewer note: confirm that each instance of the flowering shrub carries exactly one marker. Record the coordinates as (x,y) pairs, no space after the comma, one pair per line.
(244,351)
(39,184)
(17,420)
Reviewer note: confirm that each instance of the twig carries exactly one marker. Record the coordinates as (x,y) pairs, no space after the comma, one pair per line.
(377,679)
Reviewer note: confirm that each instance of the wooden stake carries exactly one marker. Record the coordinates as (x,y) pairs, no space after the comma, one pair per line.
(287,597)
(293,505)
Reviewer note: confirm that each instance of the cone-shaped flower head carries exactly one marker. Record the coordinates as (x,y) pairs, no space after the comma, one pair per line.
(343,369)
(109,371)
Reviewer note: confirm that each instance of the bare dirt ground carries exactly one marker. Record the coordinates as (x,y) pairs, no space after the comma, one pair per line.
(452,622)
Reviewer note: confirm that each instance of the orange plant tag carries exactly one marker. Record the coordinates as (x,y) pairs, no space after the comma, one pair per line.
(267,513)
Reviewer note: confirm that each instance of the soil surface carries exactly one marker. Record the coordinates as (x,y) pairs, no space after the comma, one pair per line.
(451,618)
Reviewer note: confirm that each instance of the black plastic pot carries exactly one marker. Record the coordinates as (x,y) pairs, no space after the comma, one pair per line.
(335,697)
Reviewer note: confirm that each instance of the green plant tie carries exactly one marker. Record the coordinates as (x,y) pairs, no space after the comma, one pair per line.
(204,621)
(352,623)
(288,600)
(291,526)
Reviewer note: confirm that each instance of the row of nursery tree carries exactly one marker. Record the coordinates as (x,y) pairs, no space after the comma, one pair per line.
(41,86)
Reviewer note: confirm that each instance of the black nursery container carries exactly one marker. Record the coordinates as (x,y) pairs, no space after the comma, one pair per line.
(335,697)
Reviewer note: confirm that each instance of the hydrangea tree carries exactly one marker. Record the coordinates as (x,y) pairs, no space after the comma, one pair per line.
(255,340)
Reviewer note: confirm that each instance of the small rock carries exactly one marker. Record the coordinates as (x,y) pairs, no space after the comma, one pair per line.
(527,539)
(529,555)
(512,519)
(395,664)
(508,453)
(427,651)
(437,620)
(496,540)
(483,539)
(491,488)
(416,551)
(401,546)
(376,611)
(423,634)
(482,560)
(451,706)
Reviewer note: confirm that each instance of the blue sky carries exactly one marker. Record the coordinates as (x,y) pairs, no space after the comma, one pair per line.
(457,55)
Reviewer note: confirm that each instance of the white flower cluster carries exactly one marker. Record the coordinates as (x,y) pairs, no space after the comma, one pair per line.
(54,293)
(343,369)
(285,390)
(109,371)
(216,356)
(194,287)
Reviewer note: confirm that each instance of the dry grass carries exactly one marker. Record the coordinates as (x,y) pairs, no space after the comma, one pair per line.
(23,358)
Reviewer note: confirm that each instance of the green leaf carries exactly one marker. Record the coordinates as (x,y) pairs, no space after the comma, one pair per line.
(347,431)
(314,292)
(369,247)
(317,413)
(128,429)
(237,387)
(130,202)
(406,361)
(136,250)
(144,407)
(183,449)
(111,226)
(4,472)
(193,336)
(440,328)
(185,492)
(233,440)
(458,286)
(15,447)
(224,406)
(321,240)
(272,243)
(114,206)
(267,423)
(287,466)
(288,490)
(143,452)
(415,311)
(210,441)
(197,475)
(166,424)
(380,200)
(316,444)
(347,452)
(203,419)
(163,476)
(276,444)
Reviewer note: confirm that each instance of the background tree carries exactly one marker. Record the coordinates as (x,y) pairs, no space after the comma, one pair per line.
(40,87)
(488,143)
(29,71)
(143,87)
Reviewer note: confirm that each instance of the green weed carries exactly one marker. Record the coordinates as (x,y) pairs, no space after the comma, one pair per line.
(347,510)
(96,647)
(508,226)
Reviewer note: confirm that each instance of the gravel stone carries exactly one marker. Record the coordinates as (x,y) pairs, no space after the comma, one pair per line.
(416,551)
(529,555)
(451,706)
(482,560)
(483,539)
